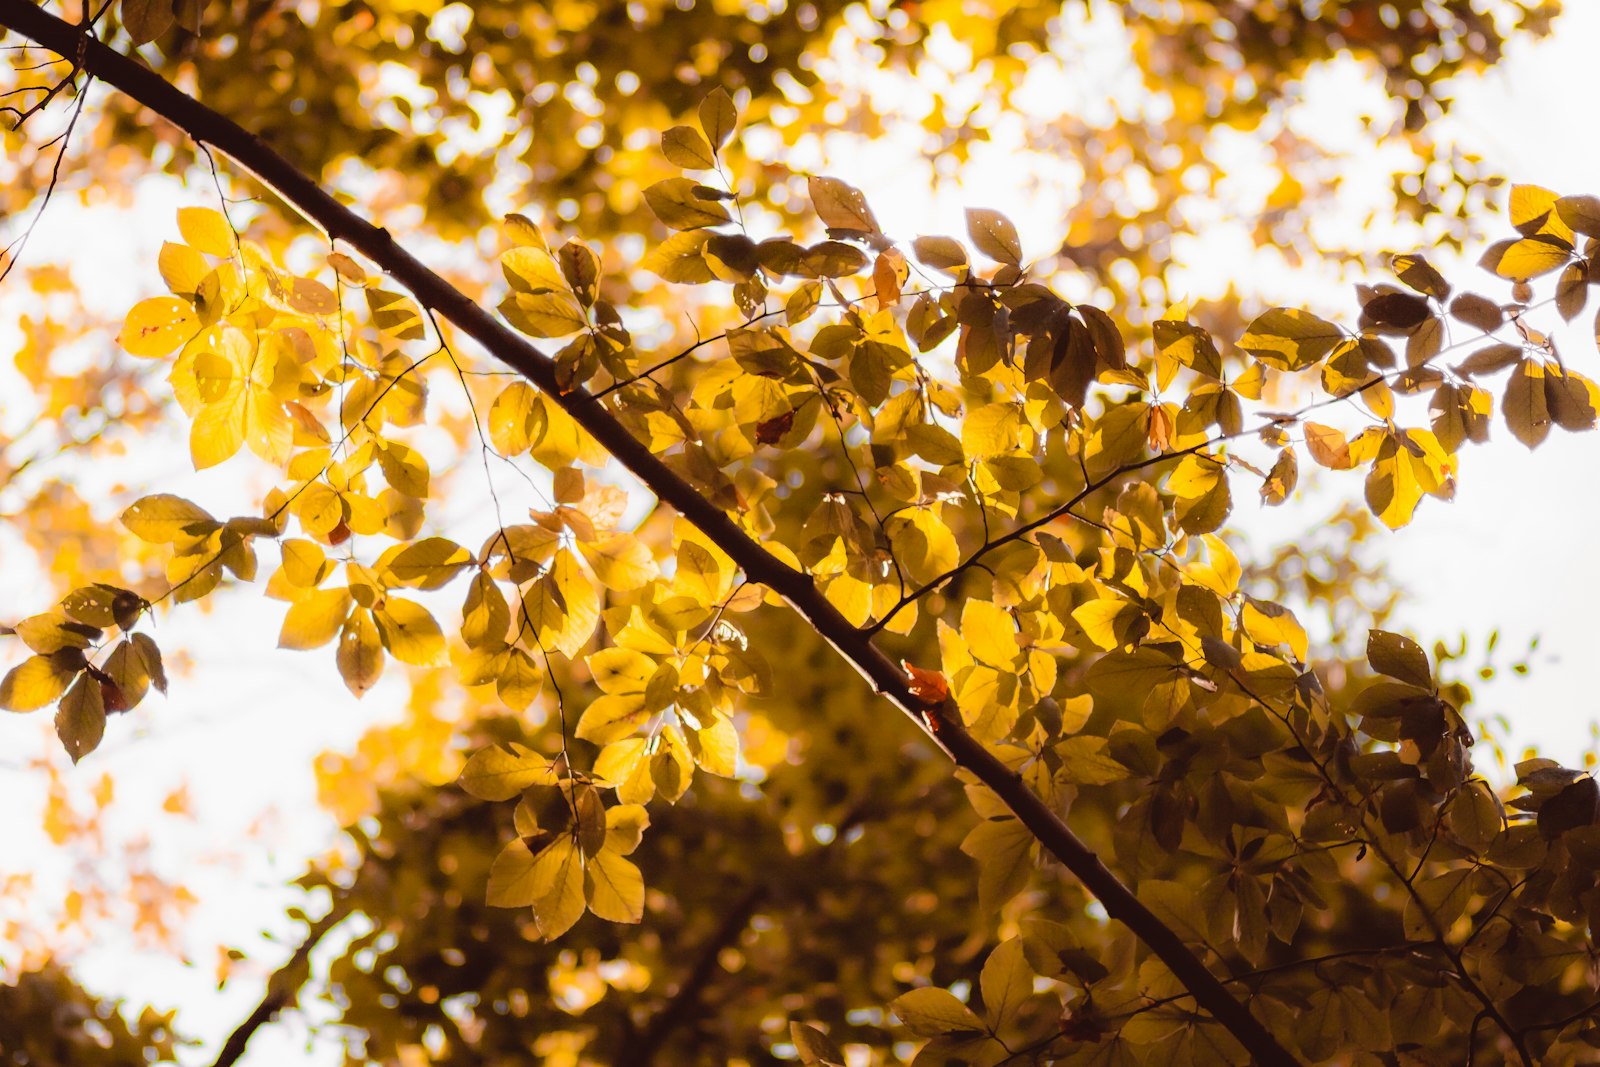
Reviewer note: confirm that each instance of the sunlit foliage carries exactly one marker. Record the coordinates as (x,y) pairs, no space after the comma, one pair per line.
(697,836)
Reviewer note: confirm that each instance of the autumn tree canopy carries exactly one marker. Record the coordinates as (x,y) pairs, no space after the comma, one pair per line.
(822,643)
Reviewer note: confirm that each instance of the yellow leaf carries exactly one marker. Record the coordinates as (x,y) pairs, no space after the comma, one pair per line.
(715,747)
(841,206)
(686,147)
(531,270)
(1107,622)
(163,519)
(51,631)
(409,633)
(315,619)
(1273,624)
(1535,210)
(620,561)
(560,867)
(514,880)
(360,656)
(520,680)
(206,230)
(930,1012)
(718,116)
(500,773)
(568,605)
(485,617)
(676,202)
(236,386)
(991,430)
(612,717)
(130,676)
(1290,339)
(625,824)
(404,468)
(625,764)
(304,563)
(157,326)
(615,888)
(36,682)
(990,633)
(429,563)
(621,670)
(1328,446)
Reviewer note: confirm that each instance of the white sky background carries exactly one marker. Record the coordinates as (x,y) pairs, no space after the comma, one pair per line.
(1512,552)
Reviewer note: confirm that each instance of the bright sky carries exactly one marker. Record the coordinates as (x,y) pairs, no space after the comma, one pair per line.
(1511,553)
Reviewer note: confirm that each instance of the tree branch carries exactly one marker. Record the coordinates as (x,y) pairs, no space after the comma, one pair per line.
(283,987)
(940,722)
(641,1051)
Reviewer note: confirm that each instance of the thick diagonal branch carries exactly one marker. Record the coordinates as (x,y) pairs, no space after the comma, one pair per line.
(798,589)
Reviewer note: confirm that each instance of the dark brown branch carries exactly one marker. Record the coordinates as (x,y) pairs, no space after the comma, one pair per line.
(283,988)
(940,722)
(640,1051)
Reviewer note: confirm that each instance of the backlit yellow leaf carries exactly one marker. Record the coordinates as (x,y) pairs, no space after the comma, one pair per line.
(206,230)
(500,773)
(1107,622)
(157,326)
(429,563)
(163,518)
(315,619)
(36,682)
(409,633)
(615,888)
(620,561)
